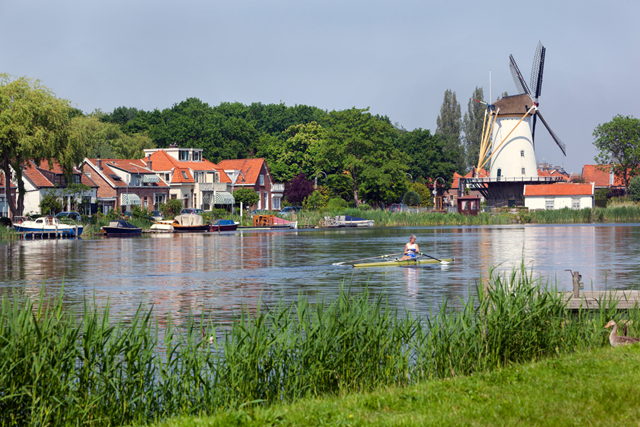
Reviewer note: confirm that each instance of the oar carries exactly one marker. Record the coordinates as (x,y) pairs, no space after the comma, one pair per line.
(364,259)
(429,256)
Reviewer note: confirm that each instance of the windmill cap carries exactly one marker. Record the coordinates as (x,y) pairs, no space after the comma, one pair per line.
(515,105)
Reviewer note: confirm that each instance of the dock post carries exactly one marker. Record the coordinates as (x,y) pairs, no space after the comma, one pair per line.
(576,283)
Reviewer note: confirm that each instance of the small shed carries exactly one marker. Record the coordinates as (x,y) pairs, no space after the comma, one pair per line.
(469,205)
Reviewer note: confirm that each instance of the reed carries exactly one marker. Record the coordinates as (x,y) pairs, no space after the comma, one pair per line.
(59,367)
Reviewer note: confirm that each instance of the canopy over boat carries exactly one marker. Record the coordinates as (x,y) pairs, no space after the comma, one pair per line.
(188,220)
(121,223)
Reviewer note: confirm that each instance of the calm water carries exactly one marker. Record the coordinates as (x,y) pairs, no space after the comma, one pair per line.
(178,273)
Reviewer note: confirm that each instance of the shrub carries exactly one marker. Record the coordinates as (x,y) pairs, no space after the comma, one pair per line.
(171,208)
(336,204)
(298,189)
(364,207)
(50,204)
(247,196)
(411,198)
(634,188)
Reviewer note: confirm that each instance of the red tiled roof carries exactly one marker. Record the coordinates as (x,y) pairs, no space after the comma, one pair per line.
(178,176)
(130,165)
(161,161)
(553,172)
(600,175)
(11,184)
(250,168)
(481,173)
(559,189)
(34,175)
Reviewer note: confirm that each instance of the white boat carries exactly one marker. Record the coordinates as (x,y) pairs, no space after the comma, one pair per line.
(162,227)
(48,225)
(347,221)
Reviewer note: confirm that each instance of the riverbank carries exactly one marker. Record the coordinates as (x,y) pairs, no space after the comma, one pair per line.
(595,387)
(90,368)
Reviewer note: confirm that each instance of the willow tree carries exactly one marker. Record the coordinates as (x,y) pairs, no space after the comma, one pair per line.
(34,125)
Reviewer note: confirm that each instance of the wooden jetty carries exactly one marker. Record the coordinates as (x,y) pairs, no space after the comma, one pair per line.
(593,300)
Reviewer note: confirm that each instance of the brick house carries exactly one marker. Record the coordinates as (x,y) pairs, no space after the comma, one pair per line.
(254,173)
(4,204)
(197,182)
(451,195)
(41,179)
(603,177)
(125,183)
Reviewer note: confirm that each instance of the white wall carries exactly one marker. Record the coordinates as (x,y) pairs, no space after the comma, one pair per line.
(559,202)
(508,157)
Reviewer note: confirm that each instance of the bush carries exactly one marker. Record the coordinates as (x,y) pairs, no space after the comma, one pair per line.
(114,214)
(247,196)
(601,193)
(171,208)
(298,189)
(411,198)
(317,200)
(634,188)
(336,204)
(50,204)
(364,207)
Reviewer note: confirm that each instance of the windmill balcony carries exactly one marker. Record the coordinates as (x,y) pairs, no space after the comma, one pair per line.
(277,188)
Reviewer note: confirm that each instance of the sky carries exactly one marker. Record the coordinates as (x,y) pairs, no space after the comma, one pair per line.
(395,57)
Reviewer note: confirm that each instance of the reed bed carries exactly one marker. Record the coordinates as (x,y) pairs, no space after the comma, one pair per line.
(58,367)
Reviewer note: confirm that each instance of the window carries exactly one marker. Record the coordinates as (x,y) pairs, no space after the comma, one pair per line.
(266,200)
(76,179)
(575,203)
(499,174)
(146,202)
(261,179)
(523,171)
(174,196)
(167,177)
(184,175)
(183,155)
(521,153)
(275,203)
(549,204)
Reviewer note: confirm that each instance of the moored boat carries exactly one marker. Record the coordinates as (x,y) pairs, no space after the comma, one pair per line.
(189,223)
(48,225)
(121,228)
(408,262)
(223,225)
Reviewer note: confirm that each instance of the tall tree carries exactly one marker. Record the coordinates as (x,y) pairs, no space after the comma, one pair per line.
(360,145)
(449,125)
(428,156)
(34,124)
(472,127)
(619,144)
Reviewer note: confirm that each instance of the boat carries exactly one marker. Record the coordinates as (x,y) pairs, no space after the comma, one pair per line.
(347,221)
(49,225)
(189,223)
(223,225)
(121,228)
(394,263)
(161,227)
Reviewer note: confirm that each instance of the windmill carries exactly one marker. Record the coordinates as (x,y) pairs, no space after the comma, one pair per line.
(508,136)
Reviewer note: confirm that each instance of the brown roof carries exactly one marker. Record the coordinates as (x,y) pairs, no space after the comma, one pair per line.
(250,168)
(480,173)
(33,174)
(129,165)
(514,105)
(559,189)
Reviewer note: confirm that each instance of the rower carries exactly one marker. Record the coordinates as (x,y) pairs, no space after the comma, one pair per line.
(411,249)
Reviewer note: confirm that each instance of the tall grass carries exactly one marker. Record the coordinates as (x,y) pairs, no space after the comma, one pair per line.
(60,367)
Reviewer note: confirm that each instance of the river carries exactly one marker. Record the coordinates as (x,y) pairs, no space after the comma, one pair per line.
(222,273)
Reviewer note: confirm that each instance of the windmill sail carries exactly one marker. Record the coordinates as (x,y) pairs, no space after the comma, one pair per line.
(553,135)
(536,71)
(521,85)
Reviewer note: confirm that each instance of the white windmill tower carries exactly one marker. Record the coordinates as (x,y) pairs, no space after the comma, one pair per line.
(509,134)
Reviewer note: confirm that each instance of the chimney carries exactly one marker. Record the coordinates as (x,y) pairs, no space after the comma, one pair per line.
(99,162)
(149,163)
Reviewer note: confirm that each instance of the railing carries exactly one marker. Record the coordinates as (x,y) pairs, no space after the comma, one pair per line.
(212,186)
(277,188)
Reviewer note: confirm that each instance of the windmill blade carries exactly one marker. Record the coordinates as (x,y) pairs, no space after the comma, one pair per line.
(536,71)
(521,85)
(533,131)
(553,135)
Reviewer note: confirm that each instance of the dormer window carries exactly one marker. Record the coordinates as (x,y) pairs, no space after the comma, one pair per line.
(183,155)
(184,175)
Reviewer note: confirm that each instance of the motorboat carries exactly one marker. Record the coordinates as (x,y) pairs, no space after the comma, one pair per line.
(121,228)
(49,225)
(162,227)
(224,225)
(347,221)
(189,223)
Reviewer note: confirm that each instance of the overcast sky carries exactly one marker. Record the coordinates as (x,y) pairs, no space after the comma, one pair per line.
(396,57)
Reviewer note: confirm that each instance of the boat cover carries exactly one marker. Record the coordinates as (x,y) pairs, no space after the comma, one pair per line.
(189,219)
(353,218)
(121,224)
(223,222)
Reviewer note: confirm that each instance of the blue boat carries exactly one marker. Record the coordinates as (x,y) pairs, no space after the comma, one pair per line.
(223,225)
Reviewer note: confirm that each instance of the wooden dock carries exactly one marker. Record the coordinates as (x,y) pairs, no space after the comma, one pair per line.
(593,300)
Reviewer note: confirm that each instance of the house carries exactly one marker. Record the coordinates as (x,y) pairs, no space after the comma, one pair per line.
(42,179)
(451,195)
(4,203)
(254,173)
(602,176)
(559,195)
(197,182)
(125,183)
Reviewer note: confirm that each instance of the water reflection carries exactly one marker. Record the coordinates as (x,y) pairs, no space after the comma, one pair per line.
(223,273)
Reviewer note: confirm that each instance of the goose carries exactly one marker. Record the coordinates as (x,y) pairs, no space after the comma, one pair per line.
(617,340)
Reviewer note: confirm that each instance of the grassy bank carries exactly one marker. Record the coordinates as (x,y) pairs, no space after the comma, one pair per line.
(595,387)
(60,368)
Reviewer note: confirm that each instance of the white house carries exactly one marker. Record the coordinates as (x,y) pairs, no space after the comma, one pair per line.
(559,195)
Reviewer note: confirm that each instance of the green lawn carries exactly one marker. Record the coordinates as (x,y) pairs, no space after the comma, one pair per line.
(599,387)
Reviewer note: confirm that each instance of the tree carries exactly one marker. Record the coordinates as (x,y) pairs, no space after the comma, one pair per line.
(619,144)
(634,188)
(472,127)
(50,204)
(449,124)
(503,95)
(411,198)
(296,190)
(359,145)
(34,124)
(247,196)
(428,156)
